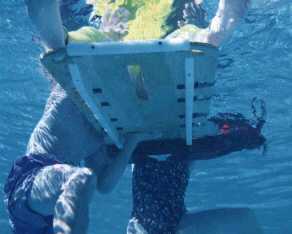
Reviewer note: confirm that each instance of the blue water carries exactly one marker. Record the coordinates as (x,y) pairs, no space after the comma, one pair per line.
(256,62)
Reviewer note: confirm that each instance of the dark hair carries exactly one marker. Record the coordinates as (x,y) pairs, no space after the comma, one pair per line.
(176,15)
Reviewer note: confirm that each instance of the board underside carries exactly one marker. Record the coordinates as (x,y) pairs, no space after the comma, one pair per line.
(139,90)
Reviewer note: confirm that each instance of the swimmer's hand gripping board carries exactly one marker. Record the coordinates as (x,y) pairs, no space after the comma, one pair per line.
(139,86)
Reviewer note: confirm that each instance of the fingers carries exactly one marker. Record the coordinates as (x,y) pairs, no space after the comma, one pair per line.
(115,22)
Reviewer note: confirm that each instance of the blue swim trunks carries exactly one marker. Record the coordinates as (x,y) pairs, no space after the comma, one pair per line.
(17,188)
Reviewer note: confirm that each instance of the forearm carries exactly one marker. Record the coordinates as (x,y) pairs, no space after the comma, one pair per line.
(228,15)
(220,29)
(45,15)
(109,176)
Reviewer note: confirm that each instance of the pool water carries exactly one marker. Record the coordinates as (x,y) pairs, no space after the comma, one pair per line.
(256,62)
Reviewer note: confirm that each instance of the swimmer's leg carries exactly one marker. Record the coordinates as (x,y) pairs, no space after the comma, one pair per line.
(64,192)
(223,220)
(228,15)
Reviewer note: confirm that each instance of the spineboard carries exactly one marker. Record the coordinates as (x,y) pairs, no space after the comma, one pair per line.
(139,86)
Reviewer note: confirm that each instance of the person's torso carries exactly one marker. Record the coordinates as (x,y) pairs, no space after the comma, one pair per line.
(63,130)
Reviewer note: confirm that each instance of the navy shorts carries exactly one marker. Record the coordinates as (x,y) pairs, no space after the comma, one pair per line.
(17,188)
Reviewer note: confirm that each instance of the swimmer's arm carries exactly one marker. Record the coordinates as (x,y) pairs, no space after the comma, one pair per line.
(110,175)
(217,149)
(45,15)
(224,145)
(228,15)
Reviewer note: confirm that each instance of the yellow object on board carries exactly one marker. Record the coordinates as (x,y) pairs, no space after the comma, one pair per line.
(147,21)
(147,18)
(150,21)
